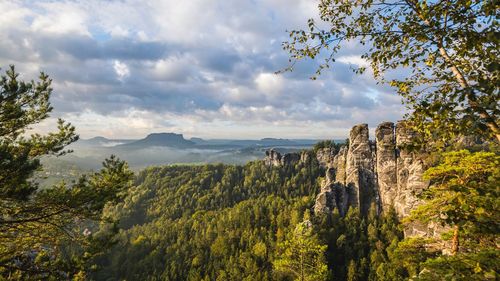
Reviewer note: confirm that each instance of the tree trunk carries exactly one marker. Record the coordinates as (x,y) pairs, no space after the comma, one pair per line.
(455,243)
(490,121)
(471,97)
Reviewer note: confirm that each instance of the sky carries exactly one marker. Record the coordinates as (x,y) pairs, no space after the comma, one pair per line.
(203,68)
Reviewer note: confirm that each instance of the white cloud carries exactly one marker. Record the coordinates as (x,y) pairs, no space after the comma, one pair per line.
(13,12)
(173,68)
(121,69)
(131,123)
(355,60)
(199,64)
(61,18)
(270,83)
(118,31)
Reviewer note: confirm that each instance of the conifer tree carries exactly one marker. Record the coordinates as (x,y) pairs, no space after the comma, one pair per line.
(47,233)
(464,198)
(302,256)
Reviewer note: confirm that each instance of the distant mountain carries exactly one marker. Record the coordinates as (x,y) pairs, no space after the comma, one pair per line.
(161,139)
(102,141)
(97,139)
(174,140)
(273,141)
(198,140)
(264,142)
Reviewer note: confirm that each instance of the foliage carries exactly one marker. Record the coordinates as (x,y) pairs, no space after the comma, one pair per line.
(462,204)
(447,51)
(405,259)
(357,245)
(214,221)
(328,144)
(302,256)
(23,105)
(43,231)
(464,192)
(220,222)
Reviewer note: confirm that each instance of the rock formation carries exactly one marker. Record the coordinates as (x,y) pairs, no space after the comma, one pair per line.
(381,173)
(274,158)
(325,156)
(410,169)
(339,164)
(360,174)
(325,201)
(386,164)
(332,195)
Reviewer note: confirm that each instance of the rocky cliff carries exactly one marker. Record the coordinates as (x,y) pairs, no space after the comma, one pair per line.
(360,178)
(326,156)
(274,158)
(380,173)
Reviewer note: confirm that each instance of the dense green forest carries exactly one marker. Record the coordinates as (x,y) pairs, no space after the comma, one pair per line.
(219,222)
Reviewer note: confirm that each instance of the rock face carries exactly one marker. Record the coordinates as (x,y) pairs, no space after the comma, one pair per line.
(386,164)
(325,156)
(332,195)
(410,169)
(360,174)
(364,173)
(339,164)
(325,201)
(381,173)
(274,158)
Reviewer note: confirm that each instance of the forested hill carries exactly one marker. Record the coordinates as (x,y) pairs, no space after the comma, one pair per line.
(220,222)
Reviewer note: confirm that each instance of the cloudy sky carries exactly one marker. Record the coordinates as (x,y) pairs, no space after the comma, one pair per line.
(198,67)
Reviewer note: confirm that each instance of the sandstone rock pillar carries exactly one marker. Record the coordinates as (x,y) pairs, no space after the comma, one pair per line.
(386,164)
(360,176)
(410,169)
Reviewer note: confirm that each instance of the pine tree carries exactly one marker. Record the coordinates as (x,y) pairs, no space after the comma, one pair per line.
(464,197)
(47,232)
(302,256)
